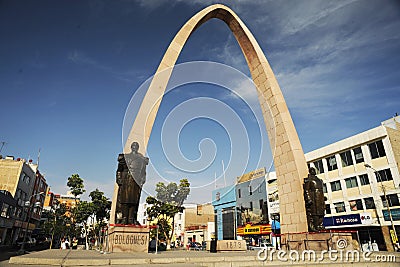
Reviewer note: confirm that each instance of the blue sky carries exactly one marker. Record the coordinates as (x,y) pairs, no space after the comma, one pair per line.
(68,70)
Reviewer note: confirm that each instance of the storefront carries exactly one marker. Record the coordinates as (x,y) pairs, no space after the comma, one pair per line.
(255,234)
(363,223)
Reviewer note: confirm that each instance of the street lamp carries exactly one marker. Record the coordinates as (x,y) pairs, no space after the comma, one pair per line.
(30,206)
(394,239)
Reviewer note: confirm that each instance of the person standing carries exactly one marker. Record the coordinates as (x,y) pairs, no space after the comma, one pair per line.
(63,245)
(74,243)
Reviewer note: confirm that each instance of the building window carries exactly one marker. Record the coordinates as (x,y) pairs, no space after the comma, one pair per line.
(332,164)
(18,194)
(250,190)
(324,188)
(346,158)
(251,206)
(356,204)
(144,221)
(4,211)
(358,155)
(327,208)
(384,175)
(376,149)
(339,207)
(319,167)
(393,200)
(369,203)
(239,193)
(261,201)
(364,180)
(351,182)
(335,186)
(26,179)
(18,213)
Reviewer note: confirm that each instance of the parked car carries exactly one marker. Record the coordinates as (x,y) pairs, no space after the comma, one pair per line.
(43,240)
(194,245)
(29,242)
(263,245)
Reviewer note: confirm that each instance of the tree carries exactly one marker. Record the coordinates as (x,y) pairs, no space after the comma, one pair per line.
(101,210)
(57,223)
(75,183)
(82,213)
(166,205)
(101,205)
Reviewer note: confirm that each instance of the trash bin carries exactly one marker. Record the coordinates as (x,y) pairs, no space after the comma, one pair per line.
(213,245)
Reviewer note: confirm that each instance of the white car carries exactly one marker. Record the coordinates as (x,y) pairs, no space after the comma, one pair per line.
(267,246)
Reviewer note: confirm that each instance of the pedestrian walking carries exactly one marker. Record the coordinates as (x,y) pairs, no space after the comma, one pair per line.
(63,245)
(74,243)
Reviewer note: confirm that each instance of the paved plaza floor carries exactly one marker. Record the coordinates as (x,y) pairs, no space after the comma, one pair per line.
(178,258)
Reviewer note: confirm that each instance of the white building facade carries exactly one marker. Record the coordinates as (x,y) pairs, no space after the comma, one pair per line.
(361,182)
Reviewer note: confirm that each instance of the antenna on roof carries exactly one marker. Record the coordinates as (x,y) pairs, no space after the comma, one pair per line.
(2,145)
(38,158)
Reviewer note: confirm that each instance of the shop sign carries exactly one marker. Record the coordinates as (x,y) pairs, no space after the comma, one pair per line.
(252,175)
(273,207)
(366,218)
(343,220)
(395,214)
(262,229)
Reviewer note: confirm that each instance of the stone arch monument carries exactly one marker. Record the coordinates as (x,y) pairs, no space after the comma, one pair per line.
(289,160)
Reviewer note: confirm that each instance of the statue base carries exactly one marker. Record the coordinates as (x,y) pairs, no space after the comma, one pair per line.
(323,240)
(128,238)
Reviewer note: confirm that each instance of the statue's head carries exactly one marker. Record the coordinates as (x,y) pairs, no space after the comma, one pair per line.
(135,147)
(312,171)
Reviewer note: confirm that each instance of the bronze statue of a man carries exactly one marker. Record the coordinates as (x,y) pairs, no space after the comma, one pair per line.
(131,175)
(315,201)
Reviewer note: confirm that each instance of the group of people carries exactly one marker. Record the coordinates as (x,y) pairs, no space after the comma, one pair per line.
(65,243)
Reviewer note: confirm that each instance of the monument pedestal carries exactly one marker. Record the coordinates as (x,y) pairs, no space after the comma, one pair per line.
(128,238)
(319,241)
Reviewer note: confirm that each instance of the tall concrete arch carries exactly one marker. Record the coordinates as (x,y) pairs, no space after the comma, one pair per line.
(289,160)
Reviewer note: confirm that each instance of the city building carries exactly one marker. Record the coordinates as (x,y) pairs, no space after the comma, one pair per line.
(38,197)
(241,210)
(252,206)
(7,212)
(142,214)
(18,177)
(68,200)
(361,183)
(49,200)
(198,223)
(225,212)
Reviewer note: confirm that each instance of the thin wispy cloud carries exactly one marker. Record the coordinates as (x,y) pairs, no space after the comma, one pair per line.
(81,58)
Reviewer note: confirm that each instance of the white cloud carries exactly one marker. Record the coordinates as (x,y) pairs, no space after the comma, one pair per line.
(81,58)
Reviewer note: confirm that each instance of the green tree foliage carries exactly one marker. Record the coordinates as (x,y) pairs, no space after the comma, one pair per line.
(75,183)
(101,206)
(57,223)
(166,205)
(83,211)
(172,193)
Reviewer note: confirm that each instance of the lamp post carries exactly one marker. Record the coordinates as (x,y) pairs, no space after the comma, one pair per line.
(30,206)
(394,238)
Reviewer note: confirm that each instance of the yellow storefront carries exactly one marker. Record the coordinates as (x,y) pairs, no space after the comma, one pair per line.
(255,234)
